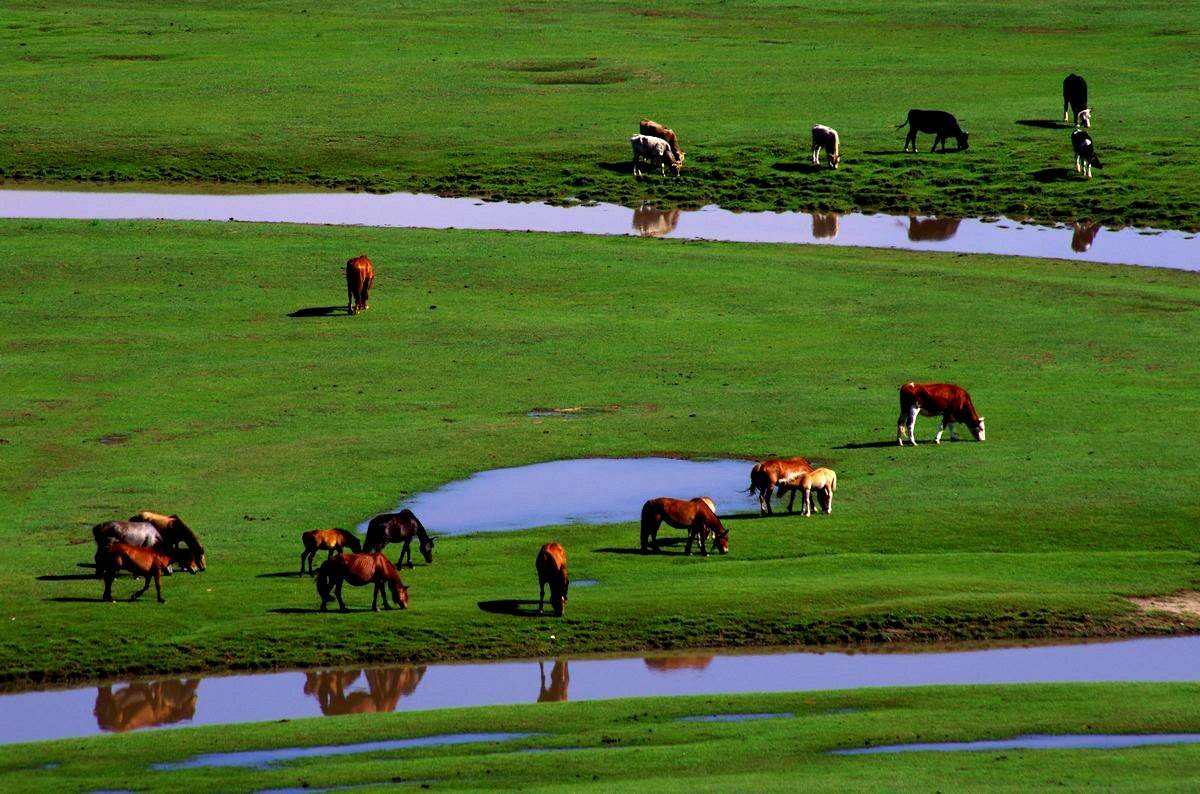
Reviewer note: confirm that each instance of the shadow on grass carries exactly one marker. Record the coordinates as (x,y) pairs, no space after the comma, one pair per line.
(333,610)
(885,151)
(1045,124)
(619,167)
(68,577)
(282,575)
(660,551)
(801,166)
(868,445)
(751,516)
(514,607)
(1053,175)
(83,600)
(320,311)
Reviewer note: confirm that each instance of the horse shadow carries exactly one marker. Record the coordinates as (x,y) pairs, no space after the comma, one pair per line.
(319,311)
(514,607)
(878,152)
(84,600)
(333,610)
(1045,124)
(1053,175)
(619,167)
(867,445)
(67,577)
(752,516)
(281,575)
(660,552)
(800,166)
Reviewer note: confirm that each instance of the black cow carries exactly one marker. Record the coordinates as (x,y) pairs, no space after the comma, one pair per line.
(938,122)
(1085,155)
(1075,100)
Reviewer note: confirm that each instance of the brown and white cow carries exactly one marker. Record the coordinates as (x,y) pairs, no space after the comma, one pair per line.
(946,400)
(655,152)
(768,473)
(656,130)
(360,277)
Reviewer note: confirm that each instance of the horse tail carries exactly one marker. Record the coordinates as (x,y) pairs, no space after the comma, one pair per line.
(650,522)
(832,481)
(753,480)
(324,585)
(904,123)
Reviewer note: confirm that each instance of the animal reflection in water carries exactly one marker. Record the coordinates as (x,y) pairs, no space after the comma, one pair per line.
(651,222)
(666,664)
(145,704)
(560,680)
(1084,235)
(825,225)
(932,229)
(385,687)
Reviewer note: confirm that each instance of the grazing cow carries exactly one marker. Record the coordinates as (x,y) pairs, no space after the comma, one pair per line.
(656,153)
(399,527)
(768,473)
(360,277)
(358,570)
(938,122)
(822,480)
(330,539)
(656,130)
(551,565)
(139,561)
(698,516)
(946,400)
(1075,100)
(1085,154)
(825,138)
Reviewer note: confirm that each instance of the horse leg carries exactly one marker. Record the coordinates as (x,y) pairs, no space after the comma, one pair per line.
(158,585)
(375,597)
(792,502)
(109,575)
(687,549)
(139,593)
(703,541)
(541,594)
(769,510)
(406,552)
(303,558)
(828,499)
(762,505)
(382,587)
(337,591)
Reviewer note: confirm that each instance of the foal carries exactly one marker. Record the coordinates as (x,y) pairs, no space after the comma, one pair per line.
(822,480)
(358,570)
(148,563)
(330,539)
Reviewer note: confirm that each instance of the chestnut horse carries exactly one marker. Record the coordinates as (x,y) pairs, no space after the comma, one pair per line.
(331,539)
(822,480)
(766,474)
(174,532)
(698,516)
(360,277)
(358,570)
(399,528)
(551,565)
(148,563)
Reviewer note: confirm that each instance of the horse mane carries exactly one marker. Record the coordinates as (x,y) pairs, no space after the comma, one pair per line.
(184,532)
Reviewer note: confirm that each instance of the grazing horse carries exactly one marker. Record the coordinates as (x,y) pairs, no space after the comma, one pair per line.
(360,277)
(551,565)
(358,570)
(331,539)
(174,532)
(766,474)
(946,400)
(698,516)
(822,480)
(399,528)
(148,563)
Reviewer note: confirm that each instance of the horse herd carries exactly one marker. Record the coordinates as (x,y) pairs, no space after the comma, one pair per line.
(149,544)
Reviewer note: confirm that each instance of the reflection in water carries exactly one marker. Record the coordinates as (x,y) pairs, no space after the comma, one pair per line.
(385,687)
(145,704)
(825,225)
(651,222)
(560,679)
(665,664)
(1084,234)
(932,229)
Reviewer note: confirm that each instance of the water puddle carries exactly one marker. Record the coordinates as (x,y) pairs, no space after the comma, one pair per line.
(1081,741)
(261,759)
(84,711)
(582,491)
(737,717)
(584,582)
(1087,242)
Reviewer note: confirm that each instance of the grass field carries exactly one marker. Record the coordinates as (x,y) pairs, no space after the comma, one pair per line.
(641,745)
(536,100)
(173,343)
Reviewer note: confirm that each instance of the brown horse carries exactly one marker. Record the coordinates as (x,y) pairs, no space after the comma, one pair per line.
(174,532)
(698,516)
(822,480)
(147,563)
(551,565)
(331,539)
(399,528)
(358,570)
(360,277)
(768,473)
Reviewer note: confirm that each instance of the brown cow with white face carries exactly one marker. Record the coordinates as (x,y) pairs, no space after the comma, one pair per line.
(946,400)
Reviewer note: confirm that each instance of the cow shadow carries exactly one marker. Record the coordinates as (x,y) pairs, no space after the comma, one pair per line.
(619,167)
(885,151)
(799,167)
(319,311)
(514,608)
(868,445)
(1045,124)
(1053,175)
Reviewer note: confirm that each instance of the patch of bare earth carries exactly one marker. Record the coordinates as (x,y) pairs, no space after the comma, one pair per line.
(1186,603)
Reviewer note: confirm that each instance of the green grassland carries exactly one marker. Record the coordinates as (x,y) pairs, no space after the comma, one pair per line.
(641,745)
(536,100)
(173,343)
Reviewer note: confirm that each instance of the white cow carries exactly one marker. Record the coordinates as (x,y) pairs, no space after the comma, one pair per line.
(825,138)
(656,152)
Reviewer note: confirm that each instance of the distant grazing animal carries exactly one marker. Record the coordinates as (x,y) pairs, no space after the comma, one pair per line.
(825,138)
(938,122)
(360,277)
(331,539)
(551,565)
(1085,153)
(1083,236)
(946,400)
(399,527)
(822,480)
(932,229)
(139,561)
(766,474)
(174,532)
(656,130)
(698,516)
(650,222)
(656,153)
(358,570)
(1075,100)
(825,224)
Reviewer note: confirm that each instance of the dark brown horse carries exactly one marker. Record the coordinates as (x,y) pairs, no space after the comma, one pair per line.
(551,565)
(147,563)
(399,527)
(698,516)
(358,570)
(331,539)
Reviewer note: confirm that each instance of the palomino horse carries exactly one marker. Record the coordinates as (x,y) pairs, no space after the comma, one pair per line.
(174,532)
(145,704)
(551,565)
(360,277)
(766,474)
(822,480)
(331,539)
(147,563)
(358,570)
(698,516)
(399,528)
